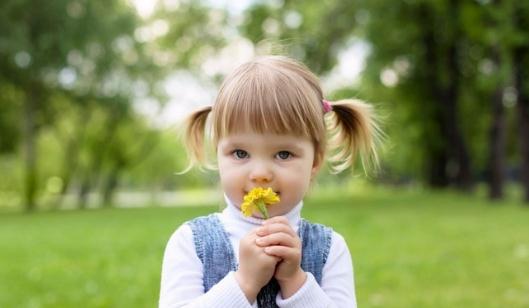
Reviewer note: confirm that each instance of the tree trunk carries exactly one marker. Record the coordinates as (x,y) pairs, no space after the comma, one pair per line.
(520,64)
(496,163)
(448,158)
(435,148)
(84,189)
(437,161)
(68,168)
(30,148)
(94,170)
(497,130)
(459,156)
(522,104)
(109,188)
(71,154)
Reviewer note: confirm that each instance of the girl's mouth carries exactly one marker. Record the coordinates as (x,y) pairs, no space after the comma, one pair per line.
(277,192)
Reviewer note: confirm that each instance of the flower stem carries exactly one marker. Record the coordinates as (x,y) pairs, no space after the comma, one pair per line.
(262,208)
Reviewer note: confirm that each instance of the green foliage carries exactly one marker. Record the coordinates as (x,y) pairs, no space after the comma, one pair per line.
(70,72)
(312,32)
(158,171)
(194,33)
(429,49)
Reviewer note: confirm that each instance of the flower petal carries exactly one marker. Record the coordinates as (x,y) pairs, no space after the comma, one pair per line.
(258,196)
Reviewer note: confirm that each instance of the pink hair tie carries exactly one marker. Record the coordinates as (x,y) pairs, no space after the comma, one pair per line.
(326,106)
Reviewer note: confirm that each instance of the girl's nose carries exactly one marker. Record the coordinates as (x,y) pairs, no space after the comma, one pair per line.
(261,174)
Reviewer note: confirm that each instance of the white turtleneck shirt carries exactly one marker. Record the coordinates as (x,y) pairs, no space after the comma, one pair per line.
(181,281)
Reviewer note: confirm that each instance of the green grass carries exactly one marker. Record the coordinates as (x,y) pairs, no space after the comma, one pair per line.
(410,249)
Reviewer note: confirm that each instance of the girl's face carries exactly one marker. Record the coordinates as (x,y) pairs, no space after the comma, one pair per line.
(283,162)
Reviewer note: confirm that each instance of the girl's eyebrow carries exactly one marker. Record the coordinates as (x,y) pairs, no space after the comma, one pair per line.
(288,146)
(235,144)
(278,146)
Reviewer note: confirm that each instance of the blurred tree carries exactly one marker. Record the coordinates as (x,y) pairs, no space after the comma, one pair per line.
(488,26)
(521,77)
(78,56)
(189,33)
(46,47)
(70,128)
(434,63)
(9,109)
(426,38)
(158,170)
(133,142)
(313,32)
(421,39)
(102,133)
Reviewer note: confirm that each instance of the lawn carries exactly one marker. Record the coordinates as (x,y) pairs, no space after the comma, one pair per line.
(410,249)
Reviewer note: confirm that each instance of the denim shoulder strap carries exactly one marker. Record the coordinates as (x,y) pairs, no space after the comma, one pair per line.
(213,248)
(215,251)
(315,247)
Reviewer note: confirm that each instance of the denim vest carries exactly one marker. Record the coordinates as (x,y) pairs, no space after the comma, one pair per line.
(215,251)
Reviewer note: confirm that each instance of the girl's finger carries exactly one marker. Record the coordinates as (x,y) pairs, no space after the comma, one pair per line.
(280,238)
(285,253)
(276,219)
(275,228)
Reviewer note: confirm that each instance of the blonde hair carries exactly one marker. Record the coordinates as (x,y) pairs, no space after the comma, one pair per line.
(276,94)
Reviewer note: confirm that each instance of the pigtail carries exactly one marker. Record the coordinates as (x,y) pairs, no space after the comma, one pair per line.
(195,133)
(353,131)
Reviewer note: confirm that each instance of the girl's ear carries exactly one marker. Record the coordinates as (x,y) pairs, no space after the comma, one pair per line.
(316,165)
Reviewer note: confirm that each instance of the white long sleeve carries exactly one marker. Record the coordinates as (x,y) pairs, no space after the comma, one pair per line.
(337,285)
(181,282)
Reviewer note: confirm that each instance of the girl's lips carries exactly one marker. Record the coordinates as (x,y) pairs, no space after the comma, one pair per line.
(277,192)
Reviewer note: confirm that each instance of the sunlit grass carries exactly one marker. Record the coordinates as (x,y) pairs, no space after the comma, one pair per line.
(410,249)
(415,249)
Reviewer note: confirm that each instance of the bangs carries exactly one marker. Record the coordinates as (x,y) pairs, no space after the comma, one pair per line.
(262,99)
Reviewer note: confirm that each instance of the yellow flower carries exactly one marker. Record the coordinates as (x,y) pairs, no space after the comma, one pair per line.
(257,199)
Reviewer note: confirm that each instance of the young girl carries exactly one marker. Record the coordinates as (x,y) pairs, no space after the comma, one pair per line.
(269,127)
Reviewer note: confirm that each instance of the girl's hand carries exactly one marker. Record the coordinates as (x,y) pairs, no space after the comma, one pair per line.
(256,268)
(280,240)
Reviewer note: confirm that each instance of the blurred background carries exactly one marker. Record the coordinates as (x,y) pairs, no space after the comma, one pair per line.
(93,93)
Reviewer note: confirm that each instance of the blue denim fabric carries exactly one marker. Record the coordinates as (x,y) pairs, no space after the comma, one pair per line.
(214,250)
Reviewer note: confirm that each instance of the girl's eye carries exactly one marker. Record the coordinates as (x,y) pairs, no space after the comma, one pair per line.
(284,155)
(240,154)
